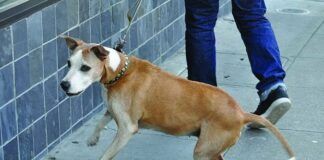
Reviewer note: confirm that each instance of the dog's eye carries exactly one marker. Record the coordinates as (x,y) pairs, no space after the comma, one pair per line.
(69,64)
(85,68)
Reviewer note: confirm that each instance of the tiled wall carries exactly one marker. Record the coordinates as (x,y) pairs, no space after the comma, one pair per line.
(35,114)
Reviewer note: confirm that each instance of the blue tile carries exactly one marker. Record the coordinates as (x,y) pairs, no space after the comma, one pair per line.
(50,87)
(61,17)
(52,125)
(22,80)
(60,93)
(112,2)
(10,150)
(94,7)
(133,35)
(85,31)
(177,30)
(106,24)
(157,20)
(30,106)
(38,106)
(8,122)
(62,52)
(26,144)
(83,10)
(141,33)
(75,32)
(107,43)
(164,13)
(72,12)
(156,3)
(149,25)
(87,100)
(1,141)
(34,30)
(5,46)
(76,109)
(6,84)
(49,23)
(39,136)
(170,16)
(35,66)
(28,71)
(146,51)
(145,28)
(169,35)
(50,58)
(96,92)
(65,116)
(95,30)
(105,4)
(1,153)
(157,44)
(164,41)
(19,30)
(118,18)
(127,47)
(173,50)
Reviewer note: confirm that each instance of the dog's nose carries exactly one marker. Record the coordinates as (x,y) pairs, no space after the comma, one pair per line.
(65,85)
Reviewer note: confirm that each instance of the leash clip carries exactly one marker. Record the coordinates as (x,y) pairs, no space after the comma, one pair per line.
(122,41)
(120,45)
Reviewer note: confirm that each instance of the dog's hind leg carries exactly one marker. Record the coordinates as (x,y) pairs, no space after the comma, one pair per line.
(93,139)
(212,142)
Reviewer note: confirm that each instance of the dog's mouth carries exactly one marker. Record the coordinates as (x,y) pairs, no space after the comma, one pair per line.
(73,94)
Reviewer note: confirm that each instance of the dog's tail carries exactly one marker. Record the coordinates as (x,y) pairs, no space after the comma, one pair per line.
(258,119)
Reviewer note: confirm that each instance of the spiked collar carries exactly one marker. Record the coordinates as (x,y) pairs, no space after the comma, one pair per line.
(121,72)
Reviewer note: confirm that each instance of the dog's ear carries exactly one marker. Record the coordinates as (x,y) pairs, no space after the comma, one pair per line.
(72,43)
(100,52)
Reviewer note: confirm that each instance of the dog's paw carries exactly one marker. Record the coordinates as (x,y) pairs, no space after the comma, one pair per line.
(93,140)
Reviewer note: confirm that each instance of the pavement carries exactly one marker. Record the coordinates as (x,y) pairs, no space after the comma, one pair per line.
(301,39)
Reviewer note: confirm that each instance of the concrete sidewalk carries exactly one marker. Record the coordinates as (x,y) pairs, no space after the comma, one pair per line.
(301,39)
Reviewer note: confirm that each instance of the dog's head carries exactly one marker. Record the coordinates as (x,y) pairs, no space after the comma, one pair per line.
(86,65)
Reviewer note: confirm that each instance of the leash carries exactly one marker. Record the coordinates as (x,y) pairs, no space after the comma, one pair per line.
(122,40)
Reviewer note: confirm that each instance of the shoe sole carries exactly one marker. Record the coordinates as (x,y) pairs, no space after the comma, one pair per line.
(276,110)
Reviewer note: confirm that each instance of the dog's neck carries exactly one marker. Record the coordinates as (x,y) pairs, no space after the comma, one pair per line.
(115,67)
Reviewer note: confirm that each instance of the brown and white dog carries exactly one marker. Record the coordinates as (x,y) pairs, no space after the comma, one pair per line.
(144,96)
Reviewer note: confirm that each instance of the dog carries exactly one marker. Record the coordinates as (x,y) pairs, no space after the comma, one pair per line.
(141,95)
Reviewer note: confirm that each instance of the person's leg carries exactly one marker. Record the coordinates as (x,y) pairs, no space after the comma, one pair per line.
(201,16)
(264,56)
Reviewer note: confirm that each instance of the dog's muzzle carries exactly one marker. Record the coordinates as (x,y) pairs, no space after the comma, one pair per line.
(65,85)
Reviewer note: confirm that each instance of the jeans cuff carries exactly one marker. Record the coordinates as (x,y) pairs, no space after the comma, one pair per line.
(264,95)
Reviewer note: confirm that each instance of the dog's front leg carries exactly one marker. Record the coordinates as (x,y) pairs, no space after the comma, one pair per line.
(93,139)
(126,129)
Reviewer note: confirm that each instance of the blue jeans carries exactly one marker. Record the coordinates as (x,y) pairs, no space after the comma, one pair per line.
(256,32)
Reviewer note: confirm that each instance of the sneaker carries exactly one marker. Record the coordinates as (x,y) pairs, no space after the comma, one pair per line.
(273,107)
